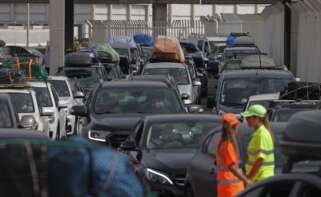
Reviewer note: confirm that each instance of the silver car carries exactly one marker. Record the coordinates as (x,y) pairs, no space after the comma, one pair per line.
(188,88)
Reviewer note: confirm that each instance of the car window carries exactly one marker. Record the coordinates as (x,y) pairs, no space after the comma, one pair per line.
(61,87)
(179,74)
(5,116)
(22,102)
(43,97)
(180,134)
(137,100)
(212,144)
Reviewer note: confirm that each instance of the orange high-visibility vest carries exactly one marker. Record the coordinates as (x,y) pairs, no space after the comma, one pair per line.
(228,185)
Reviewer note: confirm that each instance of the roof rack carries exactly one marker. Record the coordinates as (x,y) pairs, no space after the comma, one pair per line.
(301,91)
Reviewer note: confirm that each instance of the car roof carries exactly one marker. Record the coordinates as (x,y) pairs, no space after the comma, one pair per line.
(217,38)
(60,78)
(165,65)
(41,84)
(182,117)
(260,97)
(256,73)
(234,48)
(12,90)
(133,83)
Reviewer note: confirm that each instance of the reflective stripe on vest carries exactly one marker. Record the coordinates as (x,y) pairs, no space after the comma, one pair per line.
(265,163)
(226,182)
(255,153)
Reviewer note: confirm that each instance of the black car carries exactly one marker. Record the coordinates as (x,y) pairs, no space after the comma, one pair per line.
(166,145)
(235,87)
(301,144)
(113,108)
(83,71)
(191,49)
(201,173)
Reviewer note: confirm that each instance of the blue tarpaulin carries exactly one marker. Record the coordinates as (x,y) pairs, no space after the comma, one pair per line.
(144,39)
(230,40)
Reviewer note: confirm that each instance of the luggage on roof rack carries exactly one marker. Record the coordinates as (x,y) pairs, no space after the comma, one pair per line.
(167,49)
(23,68)
(302,137)
(78,59)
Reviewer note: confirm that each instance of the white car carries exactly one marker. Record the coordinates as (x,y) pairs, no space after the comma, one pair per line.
(67,99)
(48,101)
(262,99)
(188,88)
(24,101)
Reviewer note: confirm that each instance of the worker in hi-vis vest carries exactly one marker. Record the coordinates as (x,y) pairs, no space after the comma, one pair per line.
(230,178)
(260,152)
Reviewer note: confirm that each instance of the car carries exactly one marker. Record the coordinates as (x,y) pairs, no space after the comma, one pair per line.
(191,49)
(8,117)
(114,108)
(48,100)
(301,144)
(201,173)
(67,98)
(262,99)
(235,87)
(162,146)
(100,57)
(188,88)
(238,52)
(82,71)
(25,104)
(260,61)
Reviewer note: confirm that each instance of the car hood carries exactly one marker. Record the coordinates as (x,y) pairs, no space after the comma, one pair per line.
(230,109)
(115,122)
(171,161)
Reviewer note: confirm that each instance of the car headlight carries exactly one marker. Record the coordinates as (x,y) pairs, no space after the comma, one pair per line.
(157,177)
(98,135)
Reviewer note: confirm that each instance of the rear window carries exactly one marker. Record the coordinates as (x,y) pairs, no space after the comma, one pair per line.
(43,97)
(61,87)
(22,102)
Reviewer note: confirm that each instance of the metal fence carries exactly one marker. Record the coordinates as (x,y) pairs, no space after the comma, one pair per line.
(177,28)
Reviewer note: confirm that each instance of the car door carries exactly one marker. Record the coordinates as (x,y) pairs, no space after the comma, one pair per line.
(202,169)
(288,185)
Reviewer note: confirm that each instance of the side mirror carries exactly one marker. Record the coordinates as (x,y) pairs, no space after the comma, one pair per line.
(211,102)
(79,110)
(79,95)
(46,112)
(195,109)
(128,146)
(28,122)
(62,104)
(197,82)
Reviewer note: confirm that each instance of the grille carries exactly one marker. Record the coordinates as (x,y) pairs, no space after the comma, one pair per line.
(180,180)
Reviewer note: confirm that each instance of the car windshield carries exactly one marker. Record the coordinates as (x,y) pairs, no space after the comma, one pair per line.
(43,97)
(235,92)
(137,100)
(122,51)
(179,74)
(61,87)
(22,102)
(87,78)
(5,117)
(240,53)
(283,115)
(178,134)
(189,47)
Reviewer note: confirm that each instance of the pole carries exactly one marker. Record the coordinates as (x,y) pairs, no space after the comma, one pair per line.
(28,23)
(287,33)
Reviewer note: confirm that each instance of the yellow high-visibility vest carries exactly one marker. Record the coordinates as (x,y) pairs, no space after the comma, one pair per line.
(261,146)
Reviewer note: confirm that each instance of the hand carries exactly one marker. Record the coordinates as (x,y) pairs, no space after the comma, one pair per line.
(247,182)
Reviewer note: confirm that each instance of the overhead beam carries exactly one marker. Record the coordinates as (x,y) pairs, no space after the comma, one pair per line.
(155,1)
